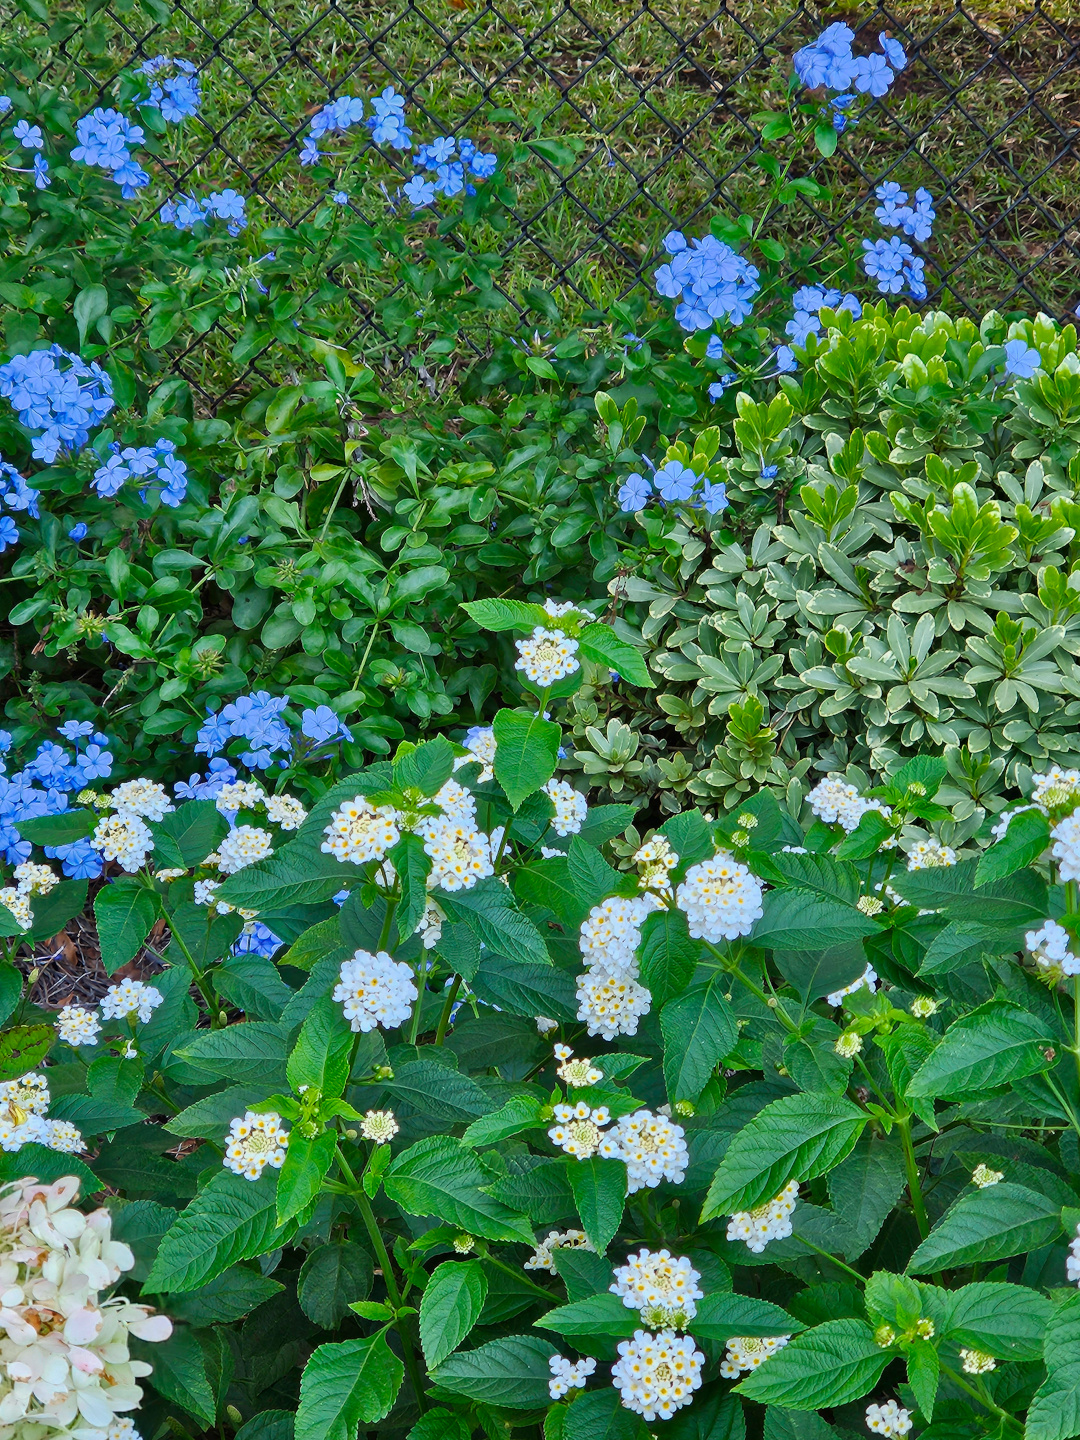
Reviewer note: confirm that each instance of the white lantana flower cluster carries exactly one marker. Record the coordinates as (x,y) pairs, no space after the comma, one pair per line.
(837,803)
(460,853)
(571,809)
(375,990)
(748,1352)
(253,1142)
(123,834)
(889,1419)
(977,1362)
(77,1026)
(541,1259)
(578,1073)
(1066,847)
(720,898)
(30,880)
(1056,789)
(930,854)
(480,741)
(653,1148)
(1050,947)
(567,1375)
(610,999)
(65,1366)
(359,831)
(771,1221)
(547,656)
(655,861)
(24,1119)
(1072,1260)
(663,1287)
(242,847)
(579,1128)
(868,979)
(656,1375)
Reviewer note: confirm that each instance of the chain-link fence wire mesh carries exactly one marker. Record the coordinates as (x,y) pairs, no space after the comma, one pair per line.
(655,109)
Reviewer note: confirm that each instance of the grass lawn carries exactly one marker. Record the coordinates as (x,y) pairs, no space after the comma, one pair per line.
(657,104)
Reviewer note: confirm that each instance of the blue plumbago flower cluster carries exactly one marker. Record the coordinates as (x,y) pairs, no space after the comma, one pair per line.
(675,484)
(42,787)
(175,88)
(894,212)
(256,719)
(709,279)
(59,394)
(186,211)
(155,465)
(16,494)
(386,123)
(452,162)
(828,63)
(808,300)
(105,138)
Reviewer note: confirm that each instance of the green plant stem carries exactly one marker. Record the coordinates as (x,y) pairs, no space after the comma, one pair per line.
(490,1259)
(830,1256)
(911,1168)
(771,1002)
(388,918)
(1063,1102)
(984,1400)
(367,652)
(363,1204)
(444,1018)
(209,998)
(333,506)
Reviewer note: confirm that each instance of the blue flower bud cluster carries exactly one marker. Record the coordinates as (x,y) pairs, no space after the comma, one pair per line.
(710,280)
(808,300)
(42,787)
(452,161)
(59,394)
(16,494)
(186,211)
(828,63)
(256,719)
(386,123)
(175,91)
(105,138)
(675,484)
(156,466)
(895,267)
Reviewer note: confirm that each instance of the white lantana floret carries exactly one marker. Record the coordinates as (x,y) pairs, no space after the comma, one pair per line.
(889,1419)
(567,1375)
(547,656)
(748,1352)
(770,1221)
(253,1142)
(359,831)
(656,1375)
(130,997)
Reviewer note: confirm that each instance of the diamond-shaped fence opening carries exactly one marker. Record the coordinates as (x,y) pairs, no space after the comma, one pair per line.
(658,105)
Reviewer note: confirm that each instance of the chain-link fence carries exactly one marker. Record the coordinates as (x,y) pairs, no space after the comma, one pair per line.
(656,107)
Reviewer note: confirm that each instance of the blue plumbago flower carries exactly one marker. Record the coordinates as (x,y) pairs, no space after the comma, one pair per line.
(634,493)
(809,299)
(387,120)
(717,388)
(714,350)
(41,173)
(632,341)
(714,496)
(218,773)
(254,718)
(15,493)
(915,279)
(177,96)
(322,726)
(893,50)
(76,729)
(802,324)
(57,393)
(675,481)
(257,939)
(455,163)
(5,104)
(895,213)
(386,123)
(186,211)
(840,104)
(1021,359)
(9,533)
(711,281)
(154,465)
(418,191)
(104,139)
(884,261)
(872,75)
(42,788)
(77,532)
(769,472)
(80,861)
(340,197)
(785,360)
(28,136)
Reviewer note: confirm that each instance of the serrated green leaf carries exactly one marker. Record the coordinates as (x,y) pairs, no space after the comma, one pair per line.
(449,1308)
(441,1176)
(699,1029)
(990,1224)
(125,913)
(511,1373)
(830,1365)
(347,1384)
(599,1188)
(600,644)
(989,1047)
(230,1219)
(526,752)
